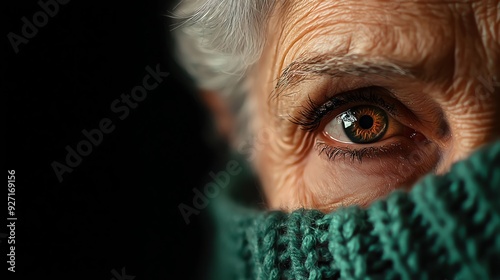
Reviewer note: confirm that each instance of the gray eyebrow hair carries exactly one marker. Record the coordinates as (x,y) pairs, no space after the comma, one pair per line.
(336,66)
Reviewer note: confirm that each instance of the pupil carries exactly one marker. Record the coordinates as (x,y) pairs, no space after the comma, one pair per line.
(366,122)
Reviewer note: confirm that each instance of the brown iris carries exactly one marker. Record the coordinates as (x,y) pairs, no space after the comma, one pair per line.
(370,125)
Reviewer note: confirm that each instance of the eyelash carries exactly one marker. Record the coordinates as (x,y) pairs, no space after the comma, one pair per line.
(332,153)
(313,114)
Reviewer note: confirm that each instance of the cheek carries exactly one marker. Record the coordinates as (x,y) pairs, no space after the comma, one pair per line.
(344,182)
(337,184)
(301,178)
(280,162)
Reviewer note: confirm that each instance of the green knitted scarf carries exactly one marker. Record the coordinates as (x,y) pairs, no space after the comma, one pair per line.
(446,227)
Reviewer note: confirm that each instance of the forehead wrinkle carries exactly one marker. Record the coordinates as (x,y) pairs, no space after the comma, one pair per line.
(429,46)
(301,21)
(333,65)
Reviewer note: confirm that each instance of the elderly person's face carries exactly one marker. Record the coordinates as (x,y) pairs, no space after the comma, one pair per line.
(359,98)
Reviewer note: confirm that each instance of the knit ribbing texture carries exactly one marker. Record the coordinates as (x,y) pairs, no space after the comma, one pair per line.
(446,227)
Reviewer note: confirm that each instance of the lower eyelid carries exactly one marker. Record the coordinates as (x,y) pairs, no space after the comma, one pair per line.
(401,161)
(356,154)
(383,150)
(347,182)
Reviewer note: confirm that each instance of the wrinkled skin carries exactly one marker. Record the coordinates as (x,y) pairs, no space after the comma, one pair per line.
(448,97)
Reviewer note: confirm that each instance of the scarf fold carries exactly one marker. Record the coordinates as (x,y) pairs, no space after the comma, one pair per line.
(446,227)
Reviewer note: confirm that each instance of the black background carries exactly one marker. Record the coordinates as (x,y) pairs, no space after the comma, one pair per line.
(119,207)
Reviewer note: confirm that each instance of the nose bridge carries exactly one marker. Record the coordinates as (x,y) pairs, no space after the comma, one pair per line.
(474,119)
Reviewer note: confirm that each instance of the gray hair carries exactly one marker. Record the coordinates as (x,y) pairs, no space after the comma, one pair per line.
(217,41)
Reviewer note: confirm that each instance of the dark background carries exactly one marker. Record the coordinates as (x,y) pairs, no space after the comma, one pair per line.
(119,207)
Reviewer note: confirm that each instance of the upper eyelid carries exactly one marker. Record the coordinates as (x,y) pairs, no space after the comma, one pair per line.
(369,95)
(311,115)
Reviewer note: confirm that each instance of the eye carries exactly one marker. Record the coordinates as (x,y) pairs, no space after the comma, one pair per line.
(361,125)
(367,143)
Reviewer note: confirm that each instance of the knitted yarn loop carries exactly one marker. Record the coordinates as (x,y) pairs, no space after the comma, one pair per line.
(446,227)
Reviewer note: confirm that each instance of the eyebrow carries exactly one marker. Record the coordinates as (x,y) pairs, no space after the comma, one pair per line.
(336,66)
